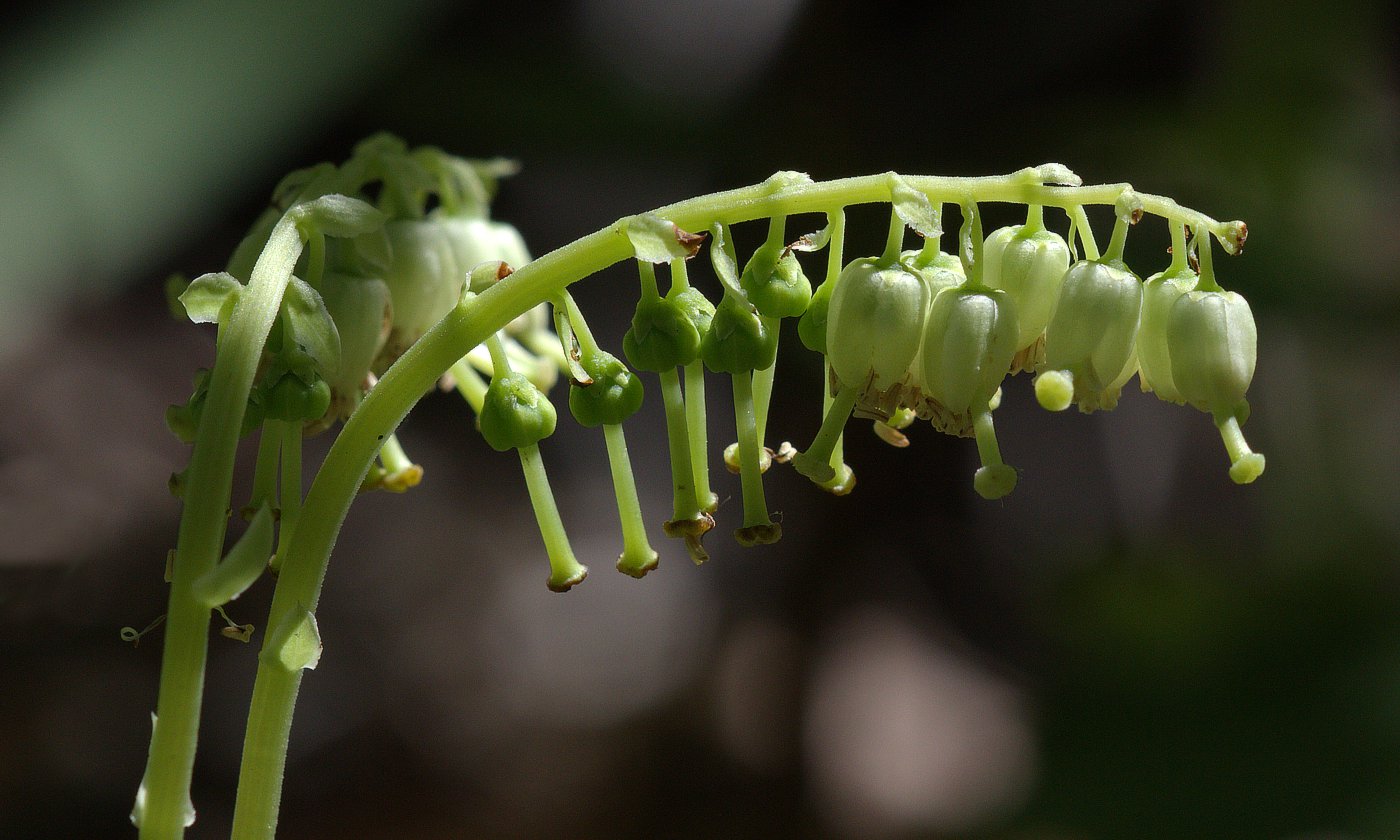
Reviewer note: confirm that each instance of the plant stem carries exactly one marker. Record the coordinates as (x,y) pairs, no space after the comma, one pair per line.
(166,810)
(695,422)
(334,488)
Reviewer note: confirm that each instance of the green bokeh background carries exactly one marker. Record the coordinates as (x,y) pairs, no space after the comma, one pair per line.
(1190,659)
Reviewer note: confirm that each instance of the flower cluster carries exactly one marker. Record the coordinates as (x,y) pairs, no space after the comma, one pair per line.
(396,239)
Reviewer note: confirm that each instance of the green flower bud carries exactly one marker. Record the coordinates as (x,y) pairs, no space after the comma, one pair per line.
(515,414)
(811,327)
(944,271)
(968,344)
(1211,341)
(1029,265)
(614,395)
(291,398)
(363,313)
(697,308)
(739,340)
(875,324)
(776,288)
(1090,340)
(1159,294)
(474,241)
(662,335)
(424,281)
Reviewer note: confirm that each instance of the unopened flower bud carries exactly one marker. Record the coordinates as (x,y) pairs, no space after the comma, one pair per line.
(1029,265)
(875,324)
(1160,293)
(1090,340)
(968,344)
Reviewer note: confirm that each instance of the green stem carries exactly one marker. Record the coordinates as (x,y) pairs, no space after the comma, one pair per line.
(265,471)
(1207,282)
(838,449)
(1035,219)
(1180,256)
(1086,233)
(638,557)
(290,433)
(166,807)
(337,482)
(894,243)
(564,568)
(1119,238)
(696,426)
(970,245)
(469,384)
(816,462)
(750,474)
(686,505)
(763,391)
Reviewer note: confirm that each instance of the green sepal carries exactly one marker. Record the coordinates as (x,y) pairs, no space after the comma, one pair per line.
(656,240)
(243,564)
(914,209)
(312,328)
(614,394)
(662,335)
(339,216)
(515,413)
(739,340)
(210,298)
(774,283)
(295,644)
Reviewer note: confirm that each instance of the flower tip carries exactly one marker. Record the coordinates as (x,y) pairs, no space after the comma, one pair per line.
(564,581)
(1248,468)
(1054,389)
(401,481)
(842,483)
(637,565)
(765,533)
(995,481)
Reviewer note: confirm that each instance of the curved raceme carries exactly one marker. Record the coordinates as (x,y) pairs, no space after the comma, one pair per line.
(378,267)
(911,333)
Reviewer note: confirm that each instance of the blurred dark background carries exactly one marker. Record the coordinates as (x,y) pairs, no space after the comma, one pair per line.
(1129,646)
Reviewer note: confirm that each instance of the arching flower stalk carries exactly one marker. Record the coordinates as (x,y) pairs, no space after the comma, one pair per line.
(366,284)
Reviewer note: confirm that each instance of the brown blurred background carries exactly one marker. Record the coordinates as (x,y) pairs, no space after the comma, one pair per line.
(1127,647)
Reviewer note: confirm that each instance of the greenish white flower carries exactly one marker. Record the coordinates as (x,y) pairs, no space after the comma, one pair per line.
(1029,264)
(1090,341)
(1159,293)
(875,323)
